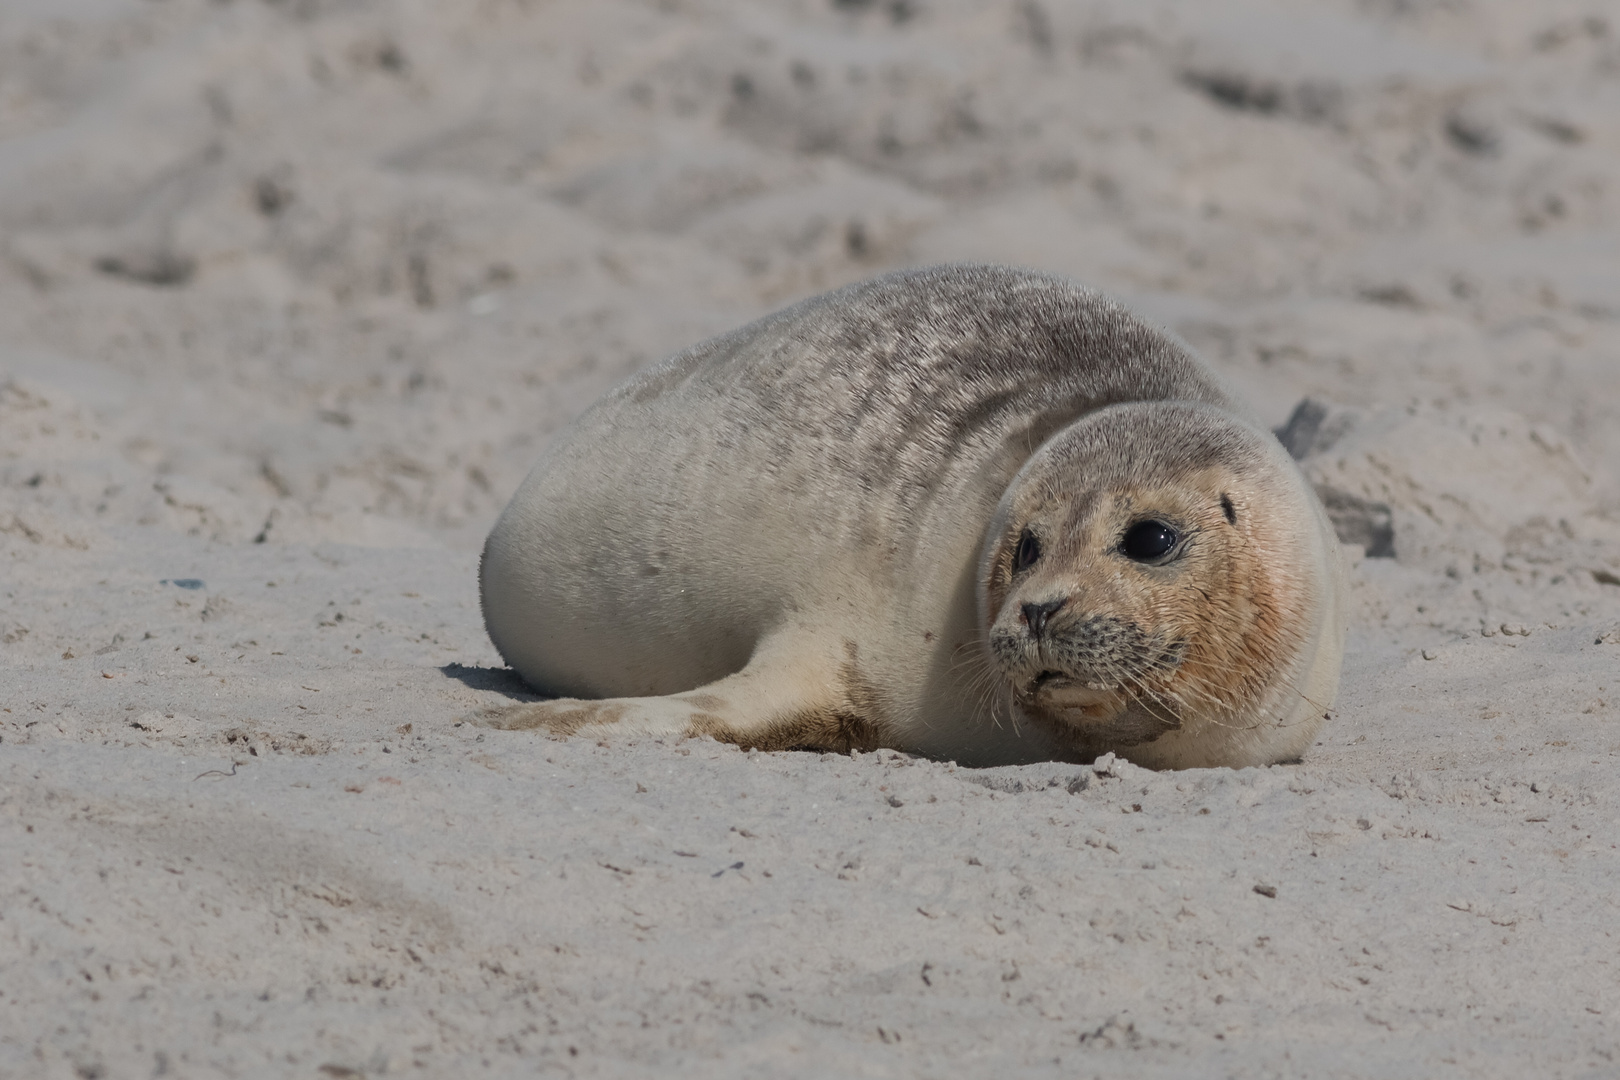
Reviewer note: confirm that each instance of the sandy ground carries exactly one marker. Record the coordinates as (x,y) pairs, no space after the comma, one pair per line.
(291,294)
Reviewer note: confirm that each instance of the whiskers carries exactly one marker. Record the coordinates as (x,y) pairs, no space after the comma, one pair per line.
(1200,691)
(1172,685)
(985,682)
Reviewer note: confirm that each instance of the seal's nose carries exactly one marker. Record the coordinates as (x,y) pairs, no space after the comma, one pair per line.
(1037,614)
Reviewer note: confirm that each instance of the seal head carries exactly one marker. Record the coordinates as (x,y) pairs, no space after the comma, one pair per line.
(1152,581)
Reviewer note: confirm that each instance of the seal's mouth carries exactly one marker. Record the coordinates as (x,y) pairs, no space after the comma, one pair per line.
(1064,690)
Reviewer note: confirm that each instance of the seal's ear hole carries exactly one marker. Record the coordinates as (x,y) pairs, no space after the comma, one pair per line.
(1147,541)
(1028,550)
(1226,508)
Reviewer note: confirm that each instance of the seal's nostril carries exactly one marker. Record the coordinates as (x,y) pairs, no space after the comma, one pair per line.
(1035,615)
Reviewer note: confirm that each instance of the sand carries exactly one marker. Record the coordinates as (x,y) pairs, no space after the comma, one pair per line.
(292,293)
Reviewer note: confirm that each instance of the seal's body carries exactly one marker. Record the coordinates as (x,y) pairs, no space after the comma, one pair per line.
(969,512)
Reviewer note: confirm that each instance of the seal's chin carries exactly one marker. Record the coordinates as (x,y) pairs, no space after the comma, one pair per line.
(1091,713)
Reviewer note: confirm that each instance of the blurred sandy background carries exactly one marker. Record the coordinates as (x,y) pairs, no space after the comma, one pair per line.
(292,293)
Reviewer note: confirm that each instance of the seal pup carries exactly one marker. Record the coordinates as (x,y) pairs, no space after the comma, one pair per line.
(969,512)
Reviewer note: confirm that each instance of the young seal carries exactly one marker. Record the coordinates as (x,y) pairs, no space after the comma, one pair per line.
(969,512)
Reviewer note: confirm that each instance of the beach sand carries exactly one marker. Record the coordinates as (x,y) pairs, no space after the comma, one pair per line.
(292,292)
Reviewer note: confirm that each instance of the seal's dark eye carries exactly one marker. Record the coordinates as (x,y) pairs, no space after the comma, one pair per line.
(1148,540)
(1029,549)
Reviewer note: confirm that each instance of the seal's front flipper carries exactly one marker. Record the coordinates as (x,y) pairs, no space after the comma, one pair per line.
(787,698)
